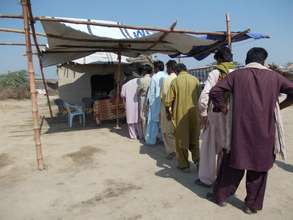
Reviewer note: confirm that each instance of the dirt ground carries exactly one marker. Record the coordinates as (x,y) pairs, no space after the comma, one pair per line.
(98,173)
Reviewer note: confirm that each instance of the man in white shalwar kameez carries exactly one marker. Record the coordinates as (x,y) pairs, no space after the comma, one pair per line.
(129,95)
(215,126)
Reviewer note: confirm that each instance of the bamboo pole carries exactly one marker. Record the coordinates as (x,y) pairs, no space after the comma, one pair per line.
(102,40)
(79,39)
(163,36)
(113,48)
(67,20)
(78,51)
(35,115)
(19,31)
(228,31)
(118,89)
(17,44)
(39,57)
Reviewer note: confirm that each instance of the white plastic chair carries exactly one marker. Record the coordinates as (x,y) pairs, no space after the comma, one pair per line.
(74,110)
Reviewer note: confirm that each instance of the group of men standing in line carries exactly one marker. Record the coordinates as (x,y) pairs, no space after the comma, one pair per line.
(238,114)
(162,106)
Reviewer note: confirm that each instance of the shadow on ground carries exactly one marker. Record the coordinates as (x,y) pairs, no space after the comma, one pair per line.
(284,166)
(60,124)
(169,170)
(122,130)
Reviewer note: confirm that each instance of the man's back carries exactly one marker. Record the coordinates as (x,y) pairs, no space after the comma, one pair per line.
(185,92)
(166,85)
(129,91)
(143,84)
(255,95)
(154,95)
(187,87)
(157,80)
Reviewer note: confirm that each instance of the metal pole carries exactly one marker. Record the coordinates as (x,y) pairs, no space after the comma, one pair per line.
(228,31)
(39,58)
(35,115)
(118,89)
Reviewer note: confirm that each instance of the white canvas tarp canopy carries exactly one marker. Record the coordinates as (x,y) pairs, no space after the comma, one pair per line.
(101,58)
(67,41)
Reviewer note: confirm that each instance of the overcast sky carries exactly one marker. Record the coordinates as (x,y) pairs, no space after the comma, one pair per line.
(270,17)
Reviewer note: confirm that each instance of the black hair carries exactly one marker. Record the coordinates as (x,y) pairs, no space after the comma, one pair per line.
(224,54)
(139,68)
(147,69)
(171,64)
(180,67)
(256,54)
(159,65)
(130,69)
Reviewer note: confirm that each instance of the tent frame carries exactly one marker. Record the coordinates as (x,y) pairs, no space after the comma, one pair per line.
(29,20)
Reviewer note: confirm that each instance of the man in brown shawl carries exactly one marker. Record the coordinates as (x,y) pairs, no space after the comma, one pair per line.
(255,91)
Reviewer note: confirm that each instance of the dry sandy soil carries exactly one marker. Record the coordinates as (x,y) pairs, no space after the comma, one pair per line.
(98,173)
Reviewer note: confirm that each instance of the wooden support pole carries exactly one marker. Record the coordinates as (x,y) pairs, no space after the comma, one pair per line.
(228,31)
(95,23)
(107,48)
(32,24)
(19,31)
(35,115)
(162,36)
(118,89)
(17,44)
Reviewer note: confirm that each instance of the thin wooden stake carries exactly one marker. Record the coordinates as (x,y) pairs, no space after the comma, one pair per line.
(35,115)
(228,32)
(39,58)
(118,89)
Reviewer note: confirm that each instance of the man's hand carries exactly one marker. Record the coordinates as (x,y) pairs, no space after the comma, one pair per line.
(204,122)
(224,109)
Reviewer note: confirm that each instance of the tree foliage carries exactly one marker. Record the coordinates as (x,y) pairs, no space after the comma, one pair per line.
(14,85)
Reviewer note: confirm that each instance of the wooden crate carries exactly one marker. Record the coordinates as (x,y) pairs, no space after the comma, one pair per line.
(106,110)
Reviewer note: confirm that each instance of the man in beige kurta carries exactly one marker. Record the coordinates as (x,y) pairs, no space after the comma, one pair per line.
(216,133)
(182,97)
(166,125)
(142,89)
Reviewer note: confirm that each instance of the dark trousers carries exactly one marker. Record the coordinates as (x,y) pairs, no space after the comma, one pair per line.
(229,179)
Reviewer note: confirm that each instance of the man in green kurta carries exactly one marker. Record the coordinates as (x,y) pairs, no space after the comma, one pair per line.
(182,99)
